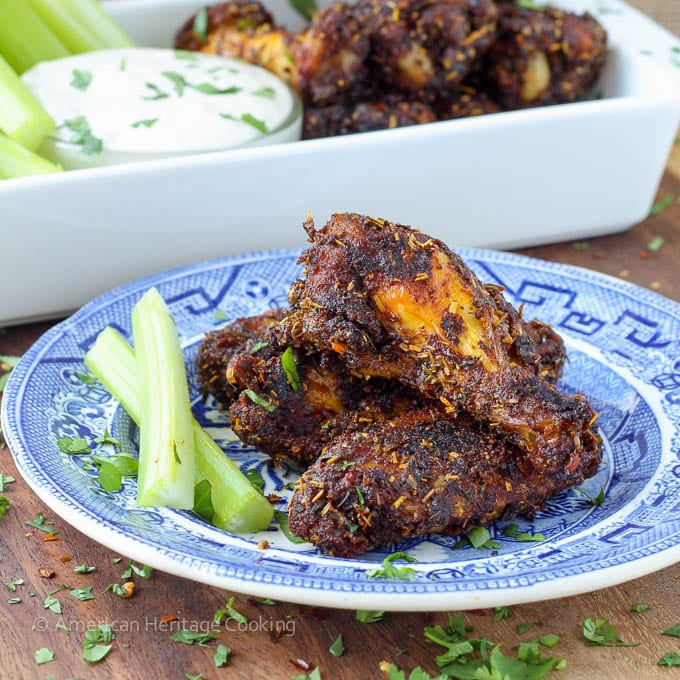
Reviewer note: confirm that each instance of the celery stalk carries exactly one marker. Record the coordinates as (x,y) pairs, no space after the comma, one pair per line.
(66,26)
(22,118)
(25,39)
(166,438)
(15,161)
(239,507)
(94,20)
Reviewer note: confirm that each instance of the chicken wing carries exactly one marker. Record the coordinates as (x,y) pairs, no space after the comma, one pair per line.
(421,472)
(394,303)
(544,57)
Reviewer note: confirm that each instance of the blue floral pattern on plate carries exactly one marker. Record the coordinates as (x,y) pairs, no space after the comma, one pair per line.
(624,348)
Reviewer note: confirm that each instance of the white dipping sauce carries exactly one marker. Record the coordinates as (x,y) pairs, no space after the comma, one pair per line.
(147,103)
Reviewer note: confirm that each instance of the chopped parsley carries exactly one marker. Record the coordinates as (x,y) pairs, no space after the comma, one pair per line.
(7,363)
(229,613)
(200,25)
(249,119)
(260,401)
(480,658)
(601,633)
(84,569)
(82,594)
(256,479)
(178,81)
(5,479)
(81,79)
(480,538)
(43,655)
(338,647)
(593,500)
(290,369)
(312,675)
(221,656)
(673,631)
(82,135)
(368,616)
(207,88)
(258,346)
(4,504)
(530,4)
(639,608)
(512,531)
(500,613)
(305,8)
(265,92)
(156,93)
(38,522)
(670,659)
(523,627)
(110,477)
(390,570)
(203,505)
(188,637)
(73,446)
(97,642)
(660,205)
(655,244)
(282,518)
(149,122)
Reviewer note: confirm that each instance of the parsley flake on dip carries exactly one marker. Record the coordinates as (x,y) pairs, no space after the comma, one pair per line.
(123,105)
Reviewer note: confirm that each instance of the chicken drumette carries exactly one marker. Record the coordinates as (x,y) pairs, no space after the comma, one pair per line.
(394,303)
(422,472)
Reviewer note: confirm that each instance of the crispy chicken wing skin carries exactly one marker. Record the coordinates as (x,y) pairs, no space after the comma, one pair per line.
(297,421)
(544,57)
(244,29)
(344,119)
(220,345)
(421,472)
(394,303)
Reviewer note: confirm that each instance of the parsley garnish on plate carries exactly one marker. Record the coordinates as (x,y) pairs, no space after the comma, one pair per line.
(305,8)
(390,570)
(149,122)
(200,25)
(290,369)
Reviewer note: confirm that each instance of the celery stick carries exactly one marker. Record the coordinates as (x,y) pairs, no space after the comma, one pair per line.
(166,438)
(22,118)
(93,19)
(25,39)
(66,26)
(239,507)
(15,161)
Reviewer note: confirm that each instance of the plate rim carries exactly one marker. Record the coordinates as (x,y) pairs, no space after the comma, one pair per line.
(104,534)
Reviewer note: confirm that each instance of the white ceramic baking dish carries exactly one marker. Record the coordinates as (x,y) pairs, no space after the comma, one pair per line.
(505,180)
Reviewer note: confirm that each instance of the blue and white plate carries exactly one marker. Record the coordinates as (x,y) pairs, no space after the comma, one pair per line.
(624,349)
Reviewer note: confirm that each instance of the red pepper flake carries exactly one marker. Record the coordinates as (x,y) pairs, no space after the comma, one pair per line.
(50,537)
(644,255)
(64,558)
(169,619)
(599,255)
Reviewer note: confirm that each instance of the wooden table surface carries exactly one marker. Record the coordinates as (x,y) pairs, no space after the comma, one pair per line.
(143,649)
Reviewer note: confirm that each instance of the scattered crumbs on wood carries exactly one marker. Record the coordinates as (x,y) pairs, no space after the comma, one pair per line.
(44,572)
(624,273)
(655,285)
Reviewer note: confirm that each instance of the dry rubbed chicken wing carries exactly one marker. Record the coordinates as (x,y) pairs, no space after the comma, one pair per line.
(282,417)
(298,423)
(344,119)
(219,346)
(243,29)
(424,471)
(544,57)
(394,303)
